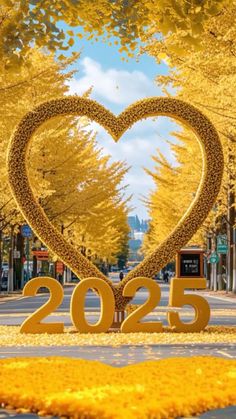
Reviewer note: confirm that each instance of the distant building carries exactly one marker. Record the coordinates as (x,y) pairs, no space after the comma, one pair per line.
(134,222)
(144,226)
(136,225)
(137,230)
(138,235)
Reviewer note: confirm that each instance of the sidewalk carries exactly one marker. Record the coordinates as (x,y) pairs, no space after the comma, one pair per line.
(10,296)
(223,295)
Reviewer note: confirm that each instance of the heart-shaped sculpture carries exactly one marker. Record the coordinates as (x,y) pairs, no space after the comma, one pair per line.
(213,163)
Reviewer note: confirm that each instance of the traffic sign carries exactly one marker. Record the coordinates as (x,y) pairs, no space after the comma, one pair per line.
(26,231)
(222,245)
(221,239)
(214,258)
(223,249)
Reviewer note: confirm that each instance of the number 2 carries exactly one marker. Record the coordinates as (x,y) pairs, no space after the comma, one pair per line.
(33,323)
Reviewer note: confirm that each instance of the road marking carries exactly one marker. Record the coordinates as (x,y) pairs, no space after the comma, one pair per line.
(225,354)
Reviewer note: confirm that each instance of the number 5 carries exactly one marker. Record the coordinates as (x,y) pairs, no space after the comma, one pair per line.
(179,299)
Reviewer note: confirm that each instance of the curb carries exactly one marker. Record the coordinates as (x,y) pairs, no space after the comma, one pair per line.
(217,297)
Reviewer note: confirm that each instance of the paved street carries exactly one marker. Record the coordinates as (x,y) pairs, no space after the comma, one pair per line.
(15,311)
(125,354)
(228,413)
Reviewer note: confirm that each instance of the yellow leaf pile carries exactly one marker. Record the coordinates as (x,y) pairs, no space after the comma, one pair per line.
(10,337)
(78,388)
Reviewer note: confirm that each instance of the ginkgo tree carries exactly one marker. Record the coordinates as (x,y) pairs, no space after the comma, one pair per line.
(175,188)
(85,192)
(24,23)
(74,181)
(205,78)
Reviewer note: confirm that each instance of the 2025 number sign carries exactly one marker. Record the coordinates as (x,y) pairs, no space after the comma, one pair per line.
(132,323)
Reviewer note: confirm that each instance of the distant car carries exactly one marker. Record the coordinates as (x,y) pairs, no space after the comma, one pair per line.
(74,278)
(41,273)
(114,269)
(4,280)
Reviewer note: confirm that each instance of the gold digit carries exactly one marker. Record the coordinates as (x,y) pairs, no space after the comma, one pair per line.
(179,299)
(33,323)
(132,322)
(107,306)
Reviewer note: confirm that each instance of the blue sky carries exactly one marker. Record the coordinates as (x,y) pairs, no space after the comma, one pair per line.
(116,84)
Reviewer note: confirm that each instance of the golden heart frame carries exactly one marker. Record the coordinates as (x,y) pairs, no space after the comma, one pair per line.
(213,164)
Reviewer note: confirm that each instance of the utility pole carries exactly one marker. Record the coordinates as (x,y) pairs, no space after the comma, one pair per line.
(10,287)
(230,239)
(213,280)
(230,223)
(230,215)
(234,260)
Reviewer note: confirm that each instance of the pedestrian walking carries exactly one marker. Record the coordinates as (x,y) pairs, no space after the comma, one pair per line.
(166,276)
(121,276)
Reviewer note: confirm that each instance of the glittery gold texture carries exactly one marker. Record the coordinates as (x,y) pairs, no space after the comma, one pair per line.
(208,190)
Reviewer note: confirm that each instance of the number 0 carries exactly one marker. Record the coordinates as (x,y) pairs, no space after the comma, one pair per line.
(107,306)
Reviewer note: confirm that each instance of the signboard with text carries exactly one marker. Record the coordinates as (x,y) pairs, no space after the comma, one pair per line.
(59,267)
(189,265)
(222,244)
(41,254)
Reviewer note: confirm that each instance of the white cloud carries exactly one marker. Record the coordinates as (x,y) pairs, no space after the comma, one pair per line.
(115,89)
(136,151)
(115,86)
(136,147)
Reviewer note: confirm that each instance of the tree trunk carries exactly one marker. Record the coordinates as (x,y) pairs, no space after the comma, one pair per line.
(1,256)
(234,260)
(19,261)
(219,274)
(1,248)
(34,273)
(208,265)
